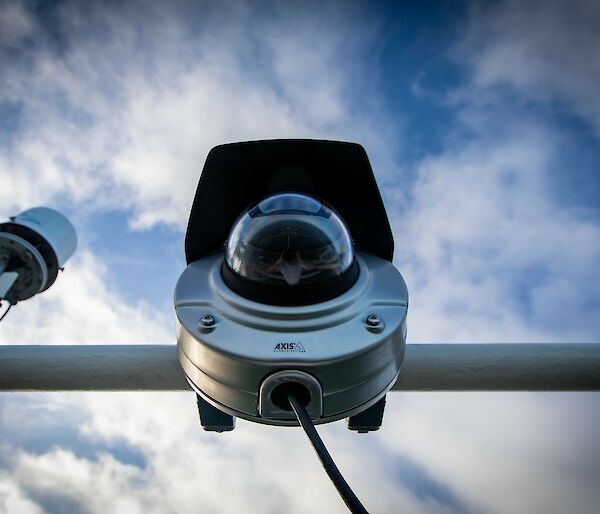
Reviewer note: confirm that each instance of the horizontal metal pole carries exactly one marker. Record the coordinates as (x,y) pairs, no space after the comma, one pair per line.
(142,367)
(501,367)
(427,367)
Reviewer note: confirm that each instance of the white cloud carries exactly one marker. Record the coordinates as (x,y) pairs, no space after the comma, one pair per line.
(485,452)
(84,307)
(489,253)
(15,23)
(122,113)
(123,119)
(255,469)
(14,499)
(503,452)
(545,50)
(494,247)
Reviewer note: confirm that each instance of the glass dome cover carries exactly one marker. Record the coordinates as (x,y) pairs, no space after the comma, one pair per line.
(289,240)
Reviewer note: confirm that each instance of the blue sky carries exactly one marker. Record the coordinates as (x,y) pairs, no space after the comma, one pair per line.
(482,122)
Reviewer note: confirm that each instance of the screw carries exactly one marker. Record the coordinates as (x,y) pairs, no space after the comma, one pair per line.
(208,320)
(373,320)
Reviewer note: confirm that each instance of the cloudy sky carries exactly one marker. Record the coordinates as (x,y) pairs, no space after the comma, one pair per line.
(482,122)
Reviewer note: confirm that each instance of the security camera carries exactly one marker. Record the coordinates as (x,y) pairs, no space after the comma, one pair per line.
(290,287)
(34,246)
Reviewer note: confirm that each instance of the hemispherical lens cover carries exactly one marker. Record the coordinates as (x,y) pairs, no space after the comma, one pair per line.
(289,240)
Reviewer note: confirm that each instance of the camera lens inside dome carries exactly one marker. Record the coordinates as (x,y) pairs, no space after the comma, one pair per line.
(289,240)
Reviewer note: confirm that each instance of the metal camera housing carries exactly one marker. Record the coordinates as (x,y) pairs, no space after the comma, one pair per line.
(240,353)
(34,246)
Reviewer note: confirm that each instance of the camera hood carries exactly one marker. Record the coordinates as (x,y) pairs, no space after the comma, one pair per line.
(238,175)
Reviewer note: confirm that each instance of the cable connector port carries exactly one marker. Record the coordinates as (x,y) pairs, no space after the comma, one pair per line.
(274,390)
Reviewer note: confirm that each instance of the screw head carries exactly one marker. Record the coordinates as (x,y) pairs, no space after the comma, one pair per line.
(208,320)
(373,320)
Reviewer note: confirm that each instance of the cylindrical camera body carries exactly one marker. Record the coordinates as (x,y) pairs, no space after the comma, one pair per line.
(55,228)
(346,351)
(34,245)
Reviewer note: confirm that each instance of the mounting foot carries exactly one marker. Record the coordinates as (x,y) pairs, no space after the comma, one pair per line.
(212,419)
(368,420)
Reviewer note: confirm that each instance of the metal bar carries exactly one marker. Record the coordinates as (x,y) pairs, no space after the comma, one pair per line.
(91,368)
(427,367)
(501,367)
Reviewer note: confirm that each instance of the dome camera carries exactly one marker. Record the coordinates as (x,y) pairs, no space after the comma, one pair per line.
(290,288)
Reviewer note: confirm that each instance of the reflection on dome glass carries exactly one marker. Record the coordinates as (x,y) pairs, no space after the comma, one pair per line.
(289,239)
(290,202)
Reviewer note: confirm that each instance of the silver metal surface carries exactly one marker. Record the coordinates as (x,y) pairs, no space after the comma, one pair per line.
(426,367)
(354,365)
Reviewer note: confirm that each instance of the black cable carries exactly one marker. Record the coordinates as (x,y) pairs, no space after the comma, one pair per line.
(6,311)
(350,499)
